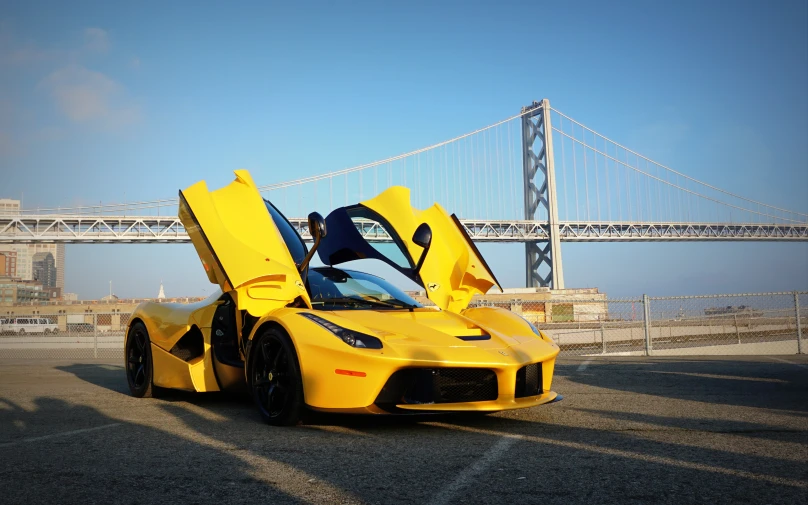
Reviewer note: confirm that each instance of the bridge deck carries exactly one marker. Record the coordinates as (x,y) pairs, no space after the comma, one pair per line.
(155,229)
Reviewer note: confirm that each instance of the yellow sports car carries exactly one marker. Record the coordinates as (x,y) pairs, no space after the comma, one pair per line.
(331,339)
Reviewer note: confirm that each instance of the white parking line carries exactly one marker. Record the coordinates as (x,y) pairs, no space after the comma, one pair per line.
(471,471)
(584,365)
(54,435)
(789,362)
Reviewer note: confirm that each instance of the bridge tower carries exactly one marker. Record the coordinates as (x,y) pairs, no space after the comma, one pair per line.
(543,259)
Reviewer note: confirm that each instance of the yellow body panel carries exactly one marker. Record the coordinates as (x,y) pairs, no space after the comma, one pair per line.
(452,272)
(170,371)
(166,324)
(240,247)
(202,373)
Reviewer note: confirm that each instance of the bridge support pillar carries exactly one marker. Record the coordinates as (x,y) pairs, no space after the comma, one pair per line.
(543,259)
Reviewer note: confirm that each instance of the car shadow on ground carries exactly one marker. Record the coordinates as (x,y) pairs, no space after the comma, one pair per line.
(769,385)
(89,457)
(538,457)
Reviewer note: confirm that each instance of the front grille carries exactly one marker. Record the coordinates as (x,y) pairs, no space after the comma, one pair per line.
(528,381)
(439,385)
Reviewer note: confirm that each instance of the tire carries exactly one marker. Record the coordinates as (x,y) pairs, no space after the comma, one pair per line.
(22,331)
(46,331)
(138,364)
(274,379)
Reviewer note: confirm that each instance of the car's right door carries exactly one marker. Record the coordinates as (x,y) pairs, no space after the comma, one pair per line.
(453,270)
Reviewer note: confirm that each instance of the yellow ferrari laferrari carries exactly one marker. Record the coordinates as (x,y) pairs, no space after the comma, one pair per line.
(331,339)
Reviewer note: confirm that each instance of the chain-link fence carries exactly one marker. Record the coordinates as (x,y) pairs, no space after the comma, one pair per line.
(766,323)
(590,326)
(58,335)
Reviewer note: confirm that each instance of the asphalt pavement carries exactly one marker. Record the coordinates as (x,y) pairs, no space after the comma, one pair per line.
(629,430)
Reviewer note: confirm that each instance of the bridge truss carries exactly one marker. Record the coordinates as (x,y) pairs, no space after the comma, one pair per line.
(151,229)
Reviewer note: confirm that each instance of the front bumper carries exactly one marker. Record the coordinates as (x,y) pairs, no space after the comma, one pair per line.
(327,388)
(486,406)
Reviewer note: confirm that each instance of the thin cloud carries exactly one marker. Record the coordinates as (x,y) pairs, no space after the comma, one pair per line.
(96,40)
(86,96)
(16,52)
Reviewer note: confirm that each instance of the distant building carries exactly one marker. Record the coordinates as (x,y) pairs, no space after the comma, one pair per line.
(21,261)
(58,252)
(8,263)
(162,294)
(9,207)
(44,269)
(70,297)
(25,252)
(17,292)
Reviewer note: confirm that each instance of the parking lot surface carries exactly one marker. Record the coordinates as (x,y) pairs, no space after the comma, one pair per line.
(629,430)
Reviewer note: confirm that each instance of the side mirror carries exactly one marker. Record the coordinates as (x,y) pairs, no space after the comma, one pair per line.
(422,237)
(316,226)
(317,231)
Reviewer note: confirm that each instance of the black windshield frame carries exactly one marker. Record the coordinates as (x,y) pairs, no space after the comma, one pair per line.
(294,242)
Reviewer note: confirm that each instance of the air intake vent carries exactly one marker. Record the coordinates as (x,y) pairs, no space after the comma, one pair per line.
(471,338)
(528,381)
(190,346)
(439,385)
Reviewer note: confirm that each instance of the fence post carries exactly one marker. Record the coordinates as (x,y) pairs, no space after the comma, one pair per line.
(95,335)
(602,339)
(737,331)
(799,325)
(646,309)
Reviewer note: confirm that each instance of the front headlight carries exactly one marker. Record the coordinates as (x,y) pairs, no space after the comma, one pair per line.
(536,330)
(350,337)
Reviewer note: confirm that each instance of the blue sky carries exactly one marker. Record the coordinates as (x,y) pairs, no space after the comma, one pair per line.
(101,102)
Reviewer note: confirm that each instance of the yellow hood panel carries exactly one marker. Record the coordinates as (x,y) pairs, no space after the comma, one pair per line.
(453,270)
(426,328)
(240,247)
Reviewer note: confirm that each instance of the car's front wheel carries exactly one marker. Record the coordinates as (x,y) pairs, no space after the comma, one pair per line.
(139,367)
(275,381)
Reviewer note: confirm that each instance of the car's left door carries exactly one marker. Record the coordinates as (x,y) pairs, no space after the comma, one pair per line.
(240,246)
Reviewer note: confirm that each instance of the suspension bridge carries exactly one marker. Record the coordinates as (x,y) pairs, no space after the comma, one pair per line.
(538,177)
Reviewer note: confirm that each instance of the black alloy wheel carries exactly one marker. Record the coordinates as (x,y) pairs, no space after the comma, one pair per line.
(275,381)
(139,369)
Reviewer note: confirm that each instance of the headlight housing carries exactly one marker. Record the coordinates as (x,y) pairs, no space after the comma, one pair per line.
(536,330)
(350,337)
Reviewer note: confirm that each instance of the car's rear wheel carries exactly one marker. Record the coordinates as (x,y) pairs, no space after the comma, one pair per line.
(22,331)
(46,331)
(275,380)
(139,367)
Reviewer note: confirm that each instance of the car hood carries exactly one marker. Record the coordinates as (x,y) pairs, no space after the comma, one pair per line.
(427,327)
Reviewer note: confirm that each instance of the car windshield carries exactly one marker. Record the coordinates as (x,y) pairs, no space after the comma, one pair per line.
(293,241)
(335,289)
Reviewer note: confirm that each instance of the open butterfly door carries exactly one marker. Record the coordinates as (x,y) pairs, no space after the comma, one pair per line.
(453,270)
(240,247)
